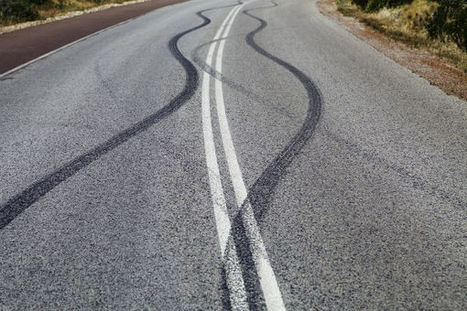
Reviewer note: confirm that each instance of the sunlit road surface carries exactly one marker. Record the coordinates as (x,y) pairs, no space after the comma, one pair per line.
(219,155)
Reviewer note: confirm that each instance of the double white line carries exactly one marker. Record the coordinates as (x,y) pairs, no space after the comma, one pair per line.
(267,279)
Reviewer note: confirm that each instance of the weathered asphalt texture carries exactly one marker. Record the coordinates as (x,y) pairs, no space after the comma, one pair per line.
(356,169)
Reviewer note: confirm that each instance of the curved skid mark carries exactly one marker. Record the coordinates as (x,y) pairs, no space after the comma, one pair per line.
(261,192)
(233,84)
(19,203)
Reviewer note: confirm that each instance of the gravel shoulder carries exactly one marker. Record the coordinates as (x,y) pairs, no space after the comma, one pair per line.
(430,67)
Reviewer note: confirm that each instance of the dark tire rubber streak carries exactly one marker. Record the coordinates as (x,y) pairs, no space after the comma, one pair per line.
(231,83)
(414,181)
(262,191)
(16,205)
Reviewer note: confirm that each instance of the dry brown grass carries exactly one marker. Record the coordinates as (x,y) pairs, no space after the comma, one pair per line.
(406,24)
(57,7)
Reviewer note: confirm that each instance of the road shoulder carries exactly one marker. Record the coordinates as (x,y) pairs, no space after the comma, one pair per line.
(430,67)
(24,45)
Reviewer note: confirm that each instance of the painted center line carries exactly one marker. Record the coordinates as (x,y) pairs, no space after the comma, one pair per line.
(233,273)
(268,282)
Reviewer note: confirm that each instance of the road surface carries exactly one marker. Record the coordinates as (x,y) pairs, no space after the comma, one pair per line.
(221,155)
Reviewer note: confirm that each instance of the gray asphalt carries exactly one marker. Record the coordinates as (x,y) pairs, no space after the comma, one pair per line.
(105,200)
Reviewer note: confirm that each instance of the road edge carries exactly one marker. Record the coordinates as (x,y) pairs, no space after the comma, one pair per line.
(16,60)
(430,67)
(3,75)
(65,15)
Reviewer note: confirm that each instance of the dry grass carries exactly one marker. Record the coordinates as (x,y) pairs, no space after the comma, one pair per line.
(51,13)
(58,7)
(406,24)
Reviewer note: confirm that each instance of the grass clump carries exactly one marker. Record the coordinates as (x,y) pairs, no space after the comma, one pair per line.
(424,24)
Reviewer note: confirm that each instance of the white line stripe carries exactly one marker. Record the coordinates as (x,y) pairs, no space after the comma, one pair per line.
(238,297)
(271,291)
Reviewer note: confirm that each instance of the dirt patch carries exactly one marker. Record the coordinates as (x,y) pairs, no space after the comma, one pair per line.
(430,67)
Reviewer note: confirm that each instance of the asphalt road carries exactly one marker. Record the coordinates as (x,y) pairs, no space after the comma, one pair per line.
(19,47)
(214,155)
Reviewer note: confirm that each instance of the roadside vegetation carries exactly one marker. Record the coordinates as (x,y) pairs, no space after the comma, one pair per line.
(16,11)
(438,26)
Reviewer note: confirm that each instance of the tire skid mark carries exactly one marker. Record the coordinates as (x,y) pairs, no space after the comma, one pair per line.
(236,85)
(411,179)
(261,192)
(19,203)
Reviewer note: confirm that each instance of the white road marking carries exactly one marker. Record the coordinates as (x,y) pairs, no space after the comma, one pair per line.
(272,294)
(238,297)
(266,275)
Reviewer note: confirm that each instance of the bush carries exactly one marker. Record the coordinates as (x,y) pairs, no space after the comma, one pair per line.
(17,10)
(375,5)
(450,21)
(40,2)
(360,3)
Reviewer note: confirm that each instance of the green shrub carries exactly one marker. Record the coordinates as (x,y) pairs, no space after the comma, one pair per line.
(450,21)
(360,3)
(40,2)
(61,5)
(17,10)
(375,5)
